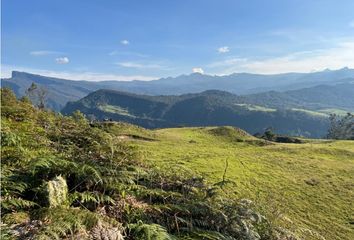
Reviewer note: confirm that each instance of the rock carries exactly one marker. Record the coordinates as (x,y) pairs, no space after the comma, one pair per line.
(57,192)
(246,202)
(25,230)
(102,232)
(284,234)
(312,182)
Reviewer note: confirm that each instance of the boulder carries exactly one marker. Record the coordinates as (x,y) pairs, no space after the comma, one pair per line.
(106,232)
(56,192)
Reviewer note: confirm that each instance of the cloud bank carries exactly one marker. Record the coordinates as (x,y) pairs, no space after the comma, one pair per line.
(139,65)
(43,53)
(73,75)
(340,56)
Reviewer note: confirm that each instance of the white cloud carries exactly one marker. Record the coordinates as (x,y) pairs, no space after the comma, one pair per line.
(141,65)
(198,70)
(62,60)
(125,53)
(79,75)
(227,62)
(125,42)
(224,49)
(334,58)
(43,53)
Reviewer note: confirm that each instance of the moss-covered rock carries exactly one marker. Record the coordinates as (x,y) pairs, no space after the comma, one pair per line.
(16,218)
(57,192)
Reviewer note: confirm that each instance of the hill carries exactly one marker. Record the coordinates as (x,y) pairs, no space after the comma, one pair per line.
(61,90)
(201,109)
(306,188)
(319,97)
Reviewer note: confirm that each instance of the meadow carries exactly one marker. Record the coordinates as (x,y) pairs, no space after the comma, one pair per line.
(307,188)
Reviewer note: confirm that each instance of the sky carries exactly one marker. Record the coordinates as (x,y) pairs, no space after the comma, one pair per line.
(145,40)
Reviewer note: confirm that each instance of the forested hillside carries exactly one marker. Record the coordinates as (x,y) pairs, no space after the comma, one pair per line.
(60,91)
(201,109)
(318,98)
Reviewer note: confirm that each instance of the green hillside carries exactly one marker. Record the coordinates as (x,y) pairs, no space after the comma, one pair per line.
(209,108)
(306,187)
(321,97)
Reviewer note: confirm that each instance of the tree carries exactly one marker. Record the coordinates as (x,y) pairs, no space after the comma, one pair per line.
(269,134)
(341,127)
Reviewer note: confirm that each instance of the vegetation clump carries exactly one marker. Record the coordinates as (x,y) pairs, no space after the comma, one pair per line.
(341,127)
(269,135)
(97,186)
(231,133)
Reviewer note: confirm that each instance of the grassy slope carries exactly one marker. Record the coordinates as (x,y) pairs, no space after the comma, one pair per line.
(273,175)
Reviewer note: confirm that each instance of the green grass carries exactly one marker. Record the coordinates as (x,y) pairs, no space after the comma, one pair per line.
(337,111)
(307,188)
(323,112)
(115,109)
(313,113)
(251,107)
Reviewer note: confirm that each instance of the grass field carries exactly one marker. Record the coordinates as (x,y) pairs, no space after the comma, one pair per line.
(307,188)
(251,107)
(115,109)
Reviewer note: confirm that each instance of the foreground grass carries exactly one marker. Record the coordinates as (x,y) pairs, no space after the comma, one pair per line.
(306,187)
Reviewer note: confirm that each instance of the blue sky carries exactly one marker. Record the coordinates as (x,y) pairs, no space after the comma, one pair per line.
(132,39)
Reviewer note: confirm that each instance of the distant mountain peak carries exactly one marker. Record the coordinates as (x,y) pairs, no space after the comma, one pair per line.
(18,74)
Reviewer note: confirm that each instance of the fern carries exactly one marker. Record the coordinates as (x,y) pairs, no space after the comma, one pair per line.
(205,235)
(5,233)
(142,231)
(65,222)
(12,183)
(91,197)
(15,203)
(10,139)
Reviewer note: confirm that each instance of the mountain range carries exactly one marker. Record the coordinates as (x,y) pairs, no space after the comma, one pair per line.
(293,103)
(208,108)
(61,90)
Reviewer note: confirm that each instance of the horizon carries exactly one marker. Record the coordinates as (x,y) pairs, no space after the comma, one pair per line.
(62,77)
(134,40)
